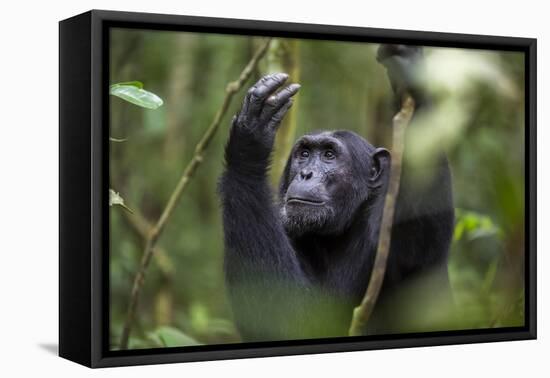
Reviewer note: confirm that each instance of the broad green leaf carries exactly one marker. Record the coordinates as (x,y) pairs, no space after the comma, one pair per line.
(170,337)
(116,199)
(136,95)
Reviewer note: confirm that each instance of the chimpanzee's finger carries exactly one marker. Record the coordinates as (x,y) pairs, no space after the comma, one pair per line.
(263,89)
(246,100)
(276,101)
(279,115)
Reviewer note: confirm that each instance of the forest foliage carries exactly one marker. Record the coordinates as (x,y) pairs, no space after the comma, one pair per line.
(166,89)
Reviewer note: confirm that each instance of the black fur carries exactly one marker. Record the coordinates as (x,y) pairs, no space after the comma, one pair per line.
(296,270)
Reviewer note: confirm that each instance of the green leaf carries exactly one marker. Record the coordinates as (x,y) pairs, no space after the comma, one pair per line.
(135,83)
(221,326)
(170,337)
(471,225)
(136,95)
(116,199)
(198,317)
(117,140)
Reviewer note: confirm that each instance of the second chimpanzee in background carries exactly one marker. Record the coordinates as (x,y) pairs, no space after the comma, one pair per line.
(297,267)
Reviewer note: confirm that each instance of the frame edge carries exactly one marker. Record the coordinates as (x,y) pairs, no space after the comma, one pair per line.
(74,190)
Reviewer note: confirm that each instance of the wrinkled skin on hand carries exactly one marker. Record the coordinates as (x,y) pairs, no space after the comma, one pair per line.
(263,109)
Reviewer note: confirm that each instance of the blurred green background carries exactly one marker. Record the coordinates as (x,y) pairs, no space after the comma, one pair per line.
(479,117)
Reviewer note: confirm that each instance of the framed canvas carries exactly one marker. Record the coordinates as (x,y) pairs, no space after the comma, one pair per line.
(235,188)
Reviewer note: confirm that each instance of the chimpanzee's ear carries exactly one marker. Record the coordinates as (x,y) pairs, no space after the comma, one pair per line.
(380,167)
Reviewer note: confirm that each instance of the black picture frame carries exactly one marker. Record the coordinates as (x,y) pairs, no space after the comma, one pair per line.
(83,181)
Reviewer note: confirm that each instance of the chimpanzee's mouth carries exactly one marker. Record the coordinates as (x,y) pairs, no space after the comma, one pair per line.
(304,201)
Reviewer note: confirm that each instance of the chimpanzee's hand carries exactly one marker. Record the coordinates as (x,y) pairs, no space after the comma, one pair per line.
(404,65)
(254,127)
(262,110)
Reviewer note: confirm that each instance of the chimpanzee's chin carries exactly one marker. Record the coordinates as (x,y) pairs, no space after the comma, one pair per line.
(300,220)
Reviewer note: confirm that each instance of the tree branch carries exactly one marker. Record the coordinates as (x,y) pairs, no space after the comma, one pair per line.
(362,313)
(189,171)
(142,228)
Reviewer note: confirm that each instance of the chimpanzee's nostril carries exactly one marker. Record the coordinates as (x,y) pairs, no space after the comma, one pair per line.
(306,175)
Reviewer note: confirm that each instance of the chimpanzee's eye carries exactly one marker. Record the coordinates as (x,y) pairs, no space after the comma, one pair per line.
(304,153)
(329,154)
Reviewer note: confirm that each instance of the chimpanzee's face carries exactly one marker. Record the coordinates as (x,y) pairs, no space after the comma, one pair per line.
(324,186)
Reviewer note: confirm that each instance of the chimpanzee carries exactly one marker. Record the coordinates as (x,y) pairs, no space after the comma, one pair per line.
(296,267)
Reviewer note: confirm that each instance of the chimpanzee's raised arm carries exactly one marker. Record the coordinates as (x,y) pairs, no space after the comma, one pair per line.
(405,67)
(265,282)
(424,212)
(432,198)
